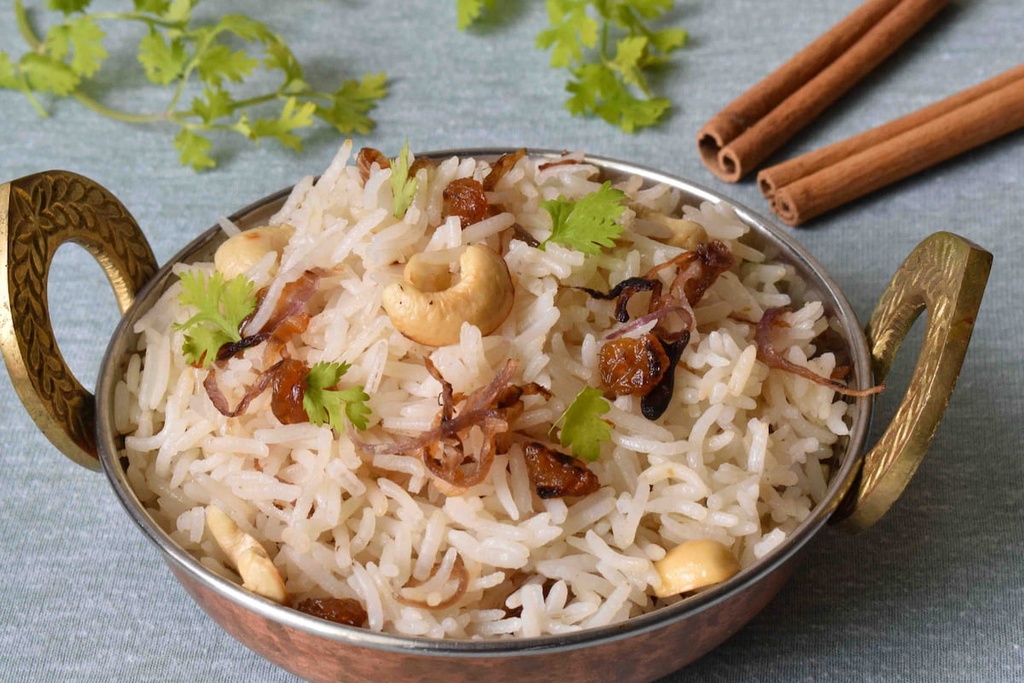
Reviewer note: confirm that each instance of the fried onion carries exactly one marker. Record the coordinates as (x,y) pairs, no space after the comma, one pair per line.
(773,358)
(443,448)
(671,311)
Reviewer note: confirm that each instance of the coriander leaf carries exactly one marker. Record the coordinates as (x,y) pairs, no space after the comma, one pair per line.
(68,6)
(179,11)
(222,306)
(219,62)
(613,87)
(292,117)
(242,126)
(151,6)
(350,104)
(468,11)
(193,150)
(48,75)
(572,30)
(56,44)
(215,103)
(669,39)
(324,404)
(163,62)
(402,186)
(86,38)
(246,28)
(598,89)
(628,61)
(620,107)
(8,74)
(587,89)
(650,9)
(201,345)
(588,223)
(583,430)
(280,57)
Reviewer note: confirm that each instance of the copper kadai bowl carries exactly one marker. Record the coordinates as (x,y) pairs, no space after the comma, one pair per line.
(945,274)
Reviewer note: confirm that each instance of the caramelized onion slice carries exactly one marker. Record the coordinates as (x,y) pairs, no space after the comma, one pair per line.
(220,402)
(504,164)
(367,157)
(443,448)
(624,291)
(288,319)
(447,458)
(655,402)
(773,358)
(698,270)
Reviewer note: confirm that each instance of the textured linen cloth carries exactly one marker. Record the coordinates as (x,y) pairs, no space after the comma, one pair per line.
(933,592)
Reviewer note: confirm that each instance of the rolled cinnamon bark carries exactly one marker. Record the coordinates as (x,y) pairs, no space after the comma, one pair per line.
(743,134)
(935,140)
(769,180)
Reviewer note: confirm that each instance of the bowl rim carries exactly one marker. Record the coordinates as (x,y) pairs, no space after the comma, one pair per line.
(119,349)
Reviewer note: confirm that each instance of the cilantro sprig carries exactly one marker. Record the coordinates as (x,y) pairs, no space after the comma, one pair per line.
(582,428)
(209,62)
(588,223)
(222,306)
(402,186)
(323,403)
(468,11)
(609,48)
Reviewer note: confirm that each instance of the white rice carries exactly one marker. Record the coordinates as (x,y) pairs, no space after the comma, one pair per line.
(736,458)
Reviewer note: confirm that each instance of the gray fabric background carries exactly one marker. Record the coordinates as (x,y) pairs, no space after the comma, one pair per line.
(934,592)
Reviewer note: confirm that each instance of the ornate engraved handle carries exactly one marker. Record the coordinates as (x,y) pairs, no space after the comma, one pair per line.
(38,213)
(946,275)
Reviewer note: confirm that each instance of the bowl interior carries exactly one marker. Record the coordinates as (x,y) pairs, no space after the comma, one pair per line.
(846,339)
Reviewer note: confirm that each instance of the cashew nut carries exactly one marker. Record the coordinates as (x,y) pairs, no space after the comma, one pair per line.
(430,272)
(685,234)
(240,252)
(250,559)
(694,564)
(430,306)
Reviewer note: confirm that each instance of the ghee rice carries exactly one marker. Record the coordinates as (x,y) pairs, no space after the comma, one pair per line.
(738,456)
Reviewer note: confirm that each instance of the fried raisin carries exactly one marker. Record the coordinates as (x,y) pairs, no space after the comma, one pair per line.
(339,610)
(633,365)
(555,474)
(465,198)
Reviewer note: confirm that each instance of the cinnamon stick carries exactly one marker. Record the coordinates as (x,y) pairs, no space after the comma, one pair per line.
(760,121)
(782,174)
(925,138)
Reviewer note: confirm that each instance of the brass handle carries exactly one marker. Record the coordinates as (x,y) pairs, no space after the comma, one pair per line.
(945,274)
(38,213)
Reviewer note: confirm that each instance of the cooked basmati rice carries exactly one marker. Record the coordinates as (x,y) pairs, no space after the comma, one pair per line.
(736,457)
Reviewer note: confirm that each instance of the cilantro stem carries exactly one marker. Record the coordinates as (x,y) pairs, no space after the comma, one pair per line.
(29,36)
(253,101)
(137,16)
(180,50)
(116,114)
(27,92)
(604,39)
